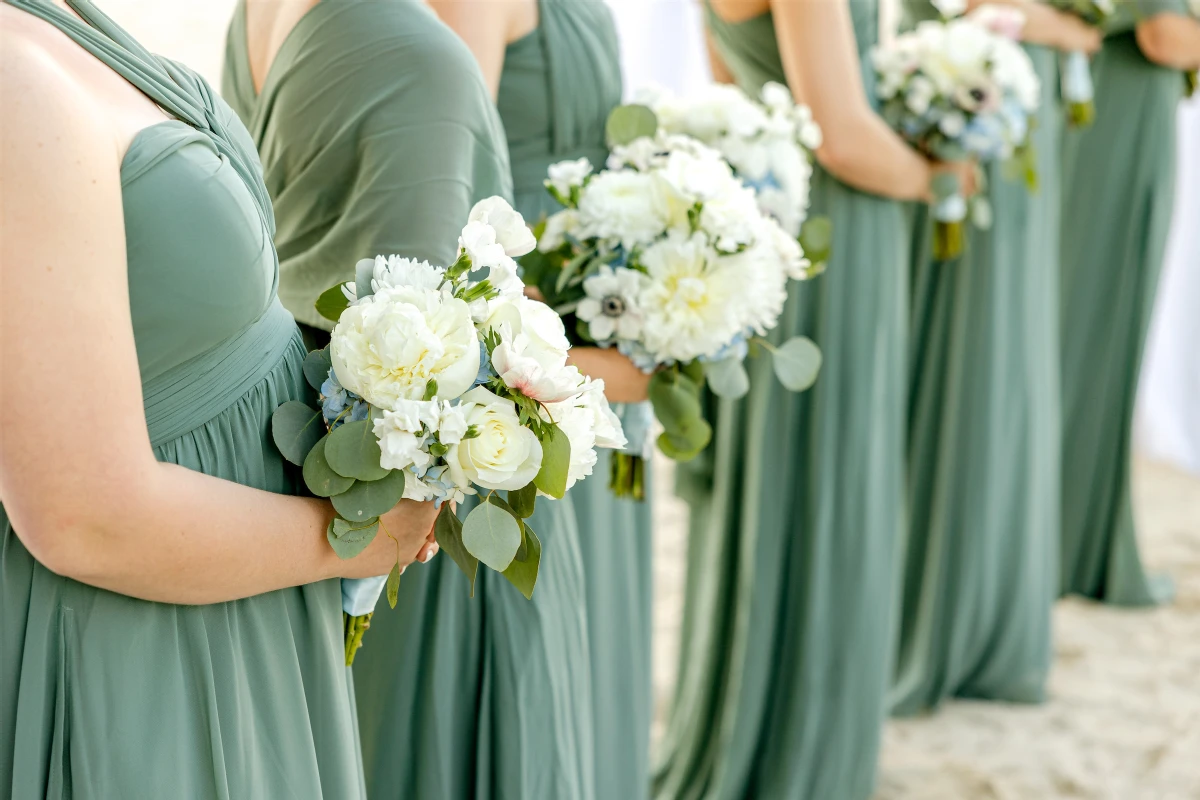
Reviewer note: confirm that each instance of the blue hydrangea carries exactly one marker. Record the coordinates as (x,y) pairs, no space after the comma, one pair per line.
(638,355)
(738,348)
(485,366)
(334,398)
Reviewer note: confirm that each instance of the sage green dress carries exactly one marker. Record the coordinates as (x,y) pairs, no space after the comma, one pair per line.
(377,136)
(1119,195)
(558,86)
(980,559)
(105,696)
(795,515)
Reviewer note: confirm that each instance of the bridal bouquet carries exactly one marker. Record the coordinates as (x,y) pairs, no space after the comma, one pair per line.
(768,141)
(666,256)
(434,387)
(957,90)
(1076,83)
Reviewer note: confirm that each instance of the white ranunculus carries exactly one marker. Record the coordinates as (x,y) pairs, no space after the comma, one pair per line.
(610,308)
(389,346)
(400,445)
(623,205)
(558,227)
(511,231)
(538,321)
(537,372)
(478,239)
(505,455)
(393,271)
(566,175)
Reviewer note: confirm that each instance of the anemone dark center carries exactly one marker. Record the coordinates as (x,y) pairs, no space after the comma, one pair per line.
(613,306)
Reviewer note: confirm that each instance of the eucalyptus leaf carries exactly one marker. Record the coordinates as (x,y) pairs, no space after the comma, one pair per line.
(348,539)
(524,501)
(296,429)
(728,378)
(627,123)
(797,363)
(556,460)
(448,532)
(523,574)
(366,499)
(685,449)
(353,451)
(393,585)
(816,239)
(364,271)
(316,367)
(675,399)
(332,303)
(492,535)
(319,477)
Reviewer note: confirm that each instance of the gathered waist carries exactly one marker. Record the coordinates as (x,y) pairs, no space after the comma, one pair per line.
(190,394)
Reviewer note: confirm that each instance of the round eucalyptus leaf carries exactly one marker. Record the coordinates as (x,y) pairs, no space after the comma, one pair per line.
(797,363)
(347,540)
(316,368)
(319,477)
(353,451)
(364,271)
(332,303)
(675,399)
(492,535)
(727,378)
(296,429)
(627,123)
(366,499)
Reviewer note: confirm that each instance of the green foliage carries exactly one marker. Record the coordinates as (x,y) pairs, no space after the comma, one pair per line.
(393,585)
(492,534)
(296,429)
(556,459)
(319,477)
(366,499)
(353,451)
(676,400)
(348,539)
(364,271)
(316,368)
(431,388)
(797,363)
(523,573)
(728,378)
(944,185)
(627,123)
(816,239)
(448,532)
(332,303)
(523,501)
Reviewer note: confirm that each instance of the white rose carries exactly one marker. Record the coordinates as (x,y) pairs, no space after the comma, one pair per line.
(511,231)
(623,205)
(399,445)
(389,346)
(478,239)
(393,271)
(505,454)
(537,372)
(538,321)
(565,175)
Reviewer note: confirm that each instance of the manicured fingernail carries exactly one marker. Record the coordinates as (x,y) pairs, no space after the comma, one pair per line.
(402,569)
(430,553)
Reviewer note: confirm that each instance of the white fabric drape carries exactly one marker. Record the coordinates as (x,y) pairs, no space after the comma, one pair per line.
(1168,416)
(662,42)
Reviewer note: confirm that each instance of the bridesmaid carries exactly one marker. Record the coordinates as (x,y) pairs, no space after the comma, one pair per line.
(979,574)
(553,67)
(1119,185)
(785,648)
(377,135)
(170,622)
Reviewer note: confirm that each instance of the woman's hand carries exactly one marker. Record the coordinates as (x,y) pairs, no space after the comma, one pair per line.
(1050,27)
(405,534)
(623,382)
(967,173)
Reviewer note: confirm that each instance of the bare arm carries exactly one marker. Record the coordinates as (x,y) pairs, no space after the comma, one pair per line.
(720,72)
(1049,27)
(77,473)
(487,26)
(1170,40)
(821,60)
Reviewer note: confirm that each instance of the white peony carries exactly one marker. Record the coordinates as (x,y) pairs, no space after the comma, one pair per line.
(626,206)
(511,231)
(505,454)
(566,175)
(610,307)
(538,372)
(387,347)
(393,271)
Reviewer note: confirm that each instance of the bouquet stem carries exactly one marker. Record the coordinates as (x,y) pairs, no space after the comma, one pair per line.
(355,627)
(1081,115)
(1192,81)
(948,240)
(628,476)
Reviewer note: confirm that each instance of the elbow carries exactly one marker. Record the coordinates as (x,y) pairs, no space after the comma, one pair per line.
(77,546)
(835,155)
(1164,40)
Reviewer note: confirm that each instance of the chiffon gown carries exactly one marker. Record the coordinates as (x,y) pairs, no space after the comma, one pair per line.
(106,696)
(979,566)
(377,136)
(558,86)
(1119,194)
(785,647)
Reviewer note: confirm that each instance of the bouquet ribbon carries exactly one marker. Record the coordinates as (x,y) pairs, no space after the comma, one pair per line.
(361,595)
(1076,78)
